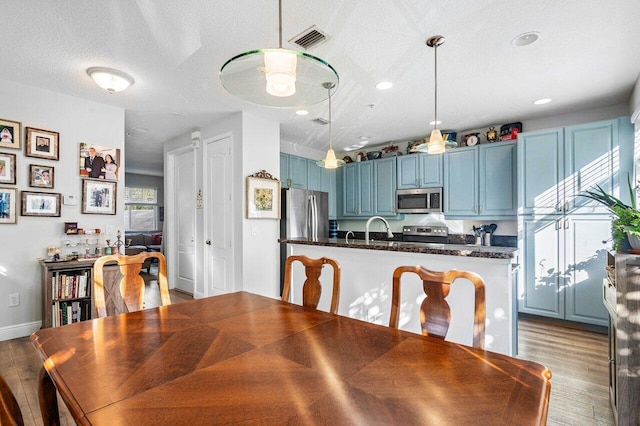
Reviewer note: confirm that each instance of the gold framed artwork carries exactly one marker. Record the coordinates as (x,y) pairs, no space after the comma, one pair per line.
(40,176)
(41,143)
(10,133)
(98,196)
(263,196)
(40,204)
(7,168)
(8,205)
(99,162)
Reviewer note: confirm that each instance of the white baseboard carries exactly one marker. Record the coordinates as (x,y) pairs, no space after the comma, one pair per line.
(19,330)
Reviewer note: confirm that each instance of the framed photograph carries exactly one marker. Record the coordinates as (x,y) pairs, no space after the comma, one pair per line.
(40,176)
(42,144)
(7,168)
(263,196)
(10,133)
(99,162)
(8,205)
(98,196)
(40,204)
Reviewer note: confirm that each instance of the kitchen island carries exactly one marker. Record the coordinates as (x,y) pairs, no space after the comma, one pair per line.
(366,284)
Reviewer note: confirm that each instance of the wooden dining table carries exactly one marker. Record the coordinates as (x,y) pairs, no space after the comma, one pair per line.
(242,358)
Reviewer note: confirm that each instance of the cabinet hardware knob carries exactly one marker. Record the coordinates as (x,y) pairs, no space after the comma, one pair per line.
(208,242)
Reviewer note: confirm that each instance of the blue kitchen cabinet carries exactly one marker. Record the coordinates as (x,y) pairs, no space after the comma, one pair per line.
(384,175)
(357,190)
(419,171)
(314,176)
(328,184)
(480,182)
(293,171)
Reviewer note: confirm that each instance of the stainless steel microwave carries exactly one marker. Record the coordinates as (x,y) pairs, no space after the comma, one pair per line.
(422,200)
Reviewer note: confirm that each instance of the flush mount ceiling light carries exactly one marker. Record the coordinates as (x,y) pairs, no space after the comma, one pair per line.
(278,78)
(542,101)
(525,39)
(435,144)
(109,79)
(330,161)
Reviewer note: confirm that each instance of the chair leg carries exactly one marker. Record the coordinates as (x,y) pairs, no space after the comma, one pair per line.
(48,399)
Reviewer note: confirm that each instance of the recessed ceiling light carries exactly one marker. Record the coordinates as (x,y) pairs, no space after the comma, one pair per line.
(142,129)
(364,138)
(525,39)
(175,114)
(384,85)
(302,112)
(542,101)
(433,123)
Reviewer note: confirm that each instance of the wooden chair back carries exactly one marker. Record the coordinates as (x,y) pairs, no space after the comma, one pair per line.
(10,413)
(131,287)
(312,289)
(435,314)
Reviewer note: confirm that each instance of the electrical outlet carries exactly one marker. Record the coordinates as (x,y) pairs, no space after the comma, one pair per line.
(109,230)
(14,299)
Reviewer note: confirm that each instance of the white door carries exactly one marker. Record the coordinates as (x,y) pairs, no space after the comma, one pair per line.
(218,249)
(184,199)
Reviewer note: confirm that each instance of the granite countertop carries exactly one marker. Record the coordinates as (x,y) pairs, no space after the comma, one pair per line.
(468,250)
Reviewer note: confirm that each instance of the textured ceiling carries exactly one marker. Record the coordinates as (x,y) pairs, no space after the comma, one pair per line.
(587,56)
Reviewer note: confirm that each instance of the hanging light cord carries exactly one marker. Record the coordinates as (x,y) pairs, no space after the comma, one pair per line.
(330,132)
(280,22)
(435,74)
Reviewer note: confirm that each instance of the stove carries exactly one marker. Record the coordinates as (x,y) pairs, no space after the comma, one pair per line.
(425,234)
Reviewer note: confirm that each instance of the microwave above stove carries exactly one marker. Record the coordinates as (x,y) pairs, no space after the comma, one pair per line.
(422,200)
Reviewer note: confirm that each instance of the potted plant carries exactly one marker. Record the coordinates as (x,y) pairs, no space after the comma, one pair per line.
(626,225)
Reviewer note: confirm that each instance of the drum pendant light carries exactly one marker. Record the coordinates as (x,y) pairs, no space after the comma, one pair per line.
(436,144)
(278,78)
(330,161)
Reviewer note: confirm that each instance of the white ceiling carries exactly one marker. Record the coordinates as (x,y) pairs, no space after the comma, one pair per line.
(587,56)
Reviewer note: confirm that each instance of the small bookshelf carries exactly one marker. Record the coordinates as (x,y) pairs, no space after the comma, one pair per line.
(66,289)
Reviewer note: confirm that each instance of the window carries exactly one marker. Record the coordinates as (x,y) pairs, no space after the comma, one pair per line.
(141,208)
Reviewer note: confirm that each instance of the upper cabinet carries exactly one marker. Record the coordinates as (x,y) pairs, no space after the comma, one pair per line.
(480,181)
(321,179)
(357,189)
(293,171)
(555,166)
(384,197)
(420,171)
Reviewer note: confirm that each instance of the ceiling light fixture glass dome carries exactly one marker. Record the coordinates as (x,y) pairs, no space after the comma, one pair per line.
(109,79)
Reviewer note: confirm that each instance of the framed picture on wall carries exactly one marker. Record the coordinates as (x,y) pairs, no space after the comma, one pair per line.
(40,176)
(98,196)
(263,196)
(7,168)
(42,144)
(8,205)
(40,204)
(99,162)
(10,134)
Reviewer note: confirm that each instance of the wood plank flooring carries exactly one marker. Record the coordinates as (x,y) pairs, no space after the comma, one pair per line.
(577,359)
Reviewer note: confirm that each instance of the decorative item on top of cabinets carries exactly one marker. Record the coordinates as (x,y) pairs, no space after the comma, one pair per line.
(510,131)
(492,135)
(471,139)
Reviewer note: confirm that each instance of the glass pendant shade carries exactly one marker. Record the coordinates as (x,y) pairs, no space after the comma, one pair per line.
(280,70)
(330,161)
(109,79)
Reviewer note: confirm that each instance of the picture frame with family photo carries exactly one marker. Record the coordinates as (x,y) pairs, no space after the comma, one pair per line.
(99,162)
(42,144)
(10,134)
(41,176)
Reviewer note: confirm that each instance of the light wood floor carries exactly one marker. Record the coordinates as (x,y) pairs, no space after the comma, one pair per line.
(576,358)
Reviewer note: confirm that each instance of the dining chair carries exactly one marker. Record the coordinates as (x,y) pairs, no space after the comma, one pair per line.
(435,314)
(10,413)
(312,289)
(127,294)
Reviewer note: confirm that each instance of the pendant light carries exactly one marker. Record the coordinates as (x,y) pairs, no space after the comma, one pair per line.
(278,78)
(330,161)
(436,144)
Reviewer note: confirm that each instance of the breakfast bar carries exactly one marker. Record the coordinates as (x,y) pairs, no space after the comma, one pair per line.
(366,283)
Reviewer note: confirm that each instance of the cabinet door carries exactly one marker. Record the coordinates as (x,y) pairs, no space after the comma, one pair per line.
(430,170)
(540,289)
(298,172)
(314,176)
(590,159)
(350,189)
(328,184)
(366,184)
(384,172)
(284,170)
(497,191)
(460,182)
(540,163)
(408,176)
(585,261)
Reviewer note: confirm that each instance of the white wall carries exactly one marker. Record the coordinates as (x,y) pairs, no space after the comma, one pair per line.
(301,151)
(256,144)
(77,121)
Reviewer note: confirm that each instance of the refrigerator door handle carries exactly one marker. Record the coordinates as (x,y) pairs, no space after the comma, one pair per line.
(314,218)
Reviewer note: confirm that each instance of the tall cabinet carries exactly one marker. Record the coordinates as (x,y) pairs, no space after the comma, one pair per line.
(561,233)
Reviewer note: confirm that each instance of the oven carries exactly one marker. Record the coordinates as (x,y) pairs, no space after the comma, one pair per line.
(425,234)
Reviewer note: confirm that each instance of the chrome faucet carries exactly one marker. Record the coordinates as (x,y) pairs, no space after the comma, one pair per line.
(346,238)
(371,219)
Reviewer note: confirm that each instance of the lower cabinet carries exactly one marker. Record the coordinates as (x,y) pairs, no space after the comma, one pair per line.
(563,267)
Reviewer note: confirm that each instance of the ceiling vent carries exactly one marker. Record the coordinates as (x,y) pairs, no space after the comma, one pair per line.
(322,121)
(309,38)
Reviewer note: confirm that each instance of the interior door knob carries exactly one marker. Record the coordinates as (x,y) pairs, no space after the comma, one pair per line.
(208,242)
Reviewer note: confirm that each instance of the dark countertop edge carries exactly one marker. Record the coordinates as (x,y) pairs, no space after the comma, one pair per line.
(483,252)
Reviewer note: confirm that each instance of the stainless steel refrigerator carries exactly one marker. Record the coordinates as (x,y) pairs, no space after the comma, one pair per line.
(304,214)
